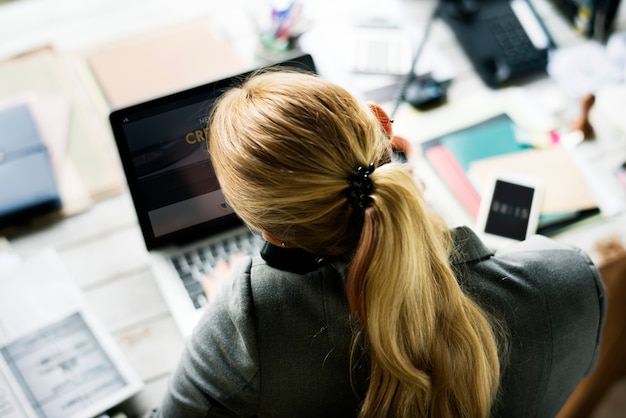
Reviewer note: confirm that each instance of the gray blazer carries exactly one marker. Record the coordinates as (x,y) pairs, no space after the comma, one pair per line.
(276,343)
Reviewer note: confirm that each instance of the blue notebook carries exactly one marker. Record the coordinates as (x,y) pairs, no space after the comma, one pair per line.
(27,183)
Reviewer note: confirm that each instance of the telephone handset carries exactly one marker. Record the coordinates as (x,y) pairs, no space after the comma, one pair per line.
(504,39)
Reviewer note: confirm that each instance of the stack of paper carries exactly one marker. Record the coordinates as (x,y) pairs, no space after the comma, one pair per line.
(465,158)
(56,358)
(80,145)
(452,154)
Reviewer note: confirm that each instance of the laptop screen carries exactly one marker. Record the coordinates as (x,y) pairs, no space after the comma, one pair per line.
(164,152)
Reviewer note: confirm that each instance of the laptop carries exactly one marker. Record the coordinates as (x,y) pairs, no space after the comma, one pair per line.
(186,224)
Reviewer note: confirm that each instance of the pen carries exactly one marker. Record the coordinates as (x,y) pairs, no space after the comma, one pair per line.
(289,22)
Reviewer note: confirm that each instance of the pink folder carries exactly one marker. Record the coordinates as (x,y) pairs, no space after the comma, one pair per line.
(454,176)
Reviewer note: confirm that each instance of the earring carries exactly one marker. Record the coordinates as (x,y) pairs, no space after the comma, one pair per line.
(283,244)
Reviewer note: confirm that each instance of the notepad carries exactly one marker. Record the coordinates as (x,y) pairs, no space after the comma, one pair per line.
(166,61)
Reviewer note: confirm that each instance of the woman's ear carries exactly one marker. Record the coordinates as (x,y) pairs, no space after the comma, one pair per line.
(272,240)
(398,143)
(383,118)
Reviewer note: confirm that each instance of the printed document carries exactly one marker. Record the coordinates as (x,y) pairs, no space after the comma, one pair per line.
(56,358)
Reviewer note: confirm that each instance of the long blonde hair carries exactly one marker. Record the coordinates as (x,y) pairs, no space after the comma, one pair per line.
(283,146)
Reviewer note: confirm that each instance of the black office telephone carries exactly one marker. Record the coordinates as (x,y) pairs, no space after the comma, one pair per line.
(504,39)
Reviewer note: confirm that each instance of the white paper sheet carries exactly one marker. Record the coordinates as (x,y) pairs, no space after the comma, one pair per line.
(56,359)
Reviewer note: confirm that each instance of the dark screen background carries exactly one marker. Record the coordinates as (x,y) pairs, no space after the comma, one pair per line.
(509,211)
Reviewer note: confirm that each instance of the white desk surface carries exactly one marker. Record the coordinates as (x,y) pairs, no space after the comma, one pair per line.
(102,247)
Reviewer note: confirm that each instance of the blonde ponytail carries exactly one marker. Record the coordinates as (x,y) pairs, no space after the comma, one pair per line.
(433,351)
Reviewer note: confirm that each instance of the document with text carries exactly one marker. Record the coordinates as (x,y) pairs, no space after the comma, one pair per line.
(56,358)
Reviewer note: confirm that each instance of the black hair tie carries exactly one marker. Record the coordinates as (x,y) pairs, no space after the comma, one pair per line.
(360,187)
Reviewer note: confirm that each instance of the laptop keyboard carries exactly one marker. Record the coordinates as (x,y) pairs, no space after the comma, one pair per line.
(193,265)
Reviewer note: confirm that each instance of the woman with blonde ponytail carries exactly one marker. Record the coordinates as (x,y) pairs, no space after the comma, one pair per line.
(363,302)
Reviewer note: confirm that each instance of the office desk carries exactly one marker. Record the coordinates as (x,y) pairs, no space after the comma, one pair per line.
(103,248)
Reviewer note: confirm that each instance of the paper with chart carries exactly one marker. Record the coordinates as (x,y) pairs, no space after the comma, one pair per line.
(56,359)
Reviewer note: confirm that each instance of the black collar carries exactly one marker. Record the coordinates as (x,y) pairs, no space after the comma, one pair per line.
(468,248)
(294,260)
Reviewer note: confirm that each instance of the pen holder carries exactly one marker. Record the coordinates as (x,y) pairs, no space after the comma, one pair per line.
(279,26)
(274,45)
